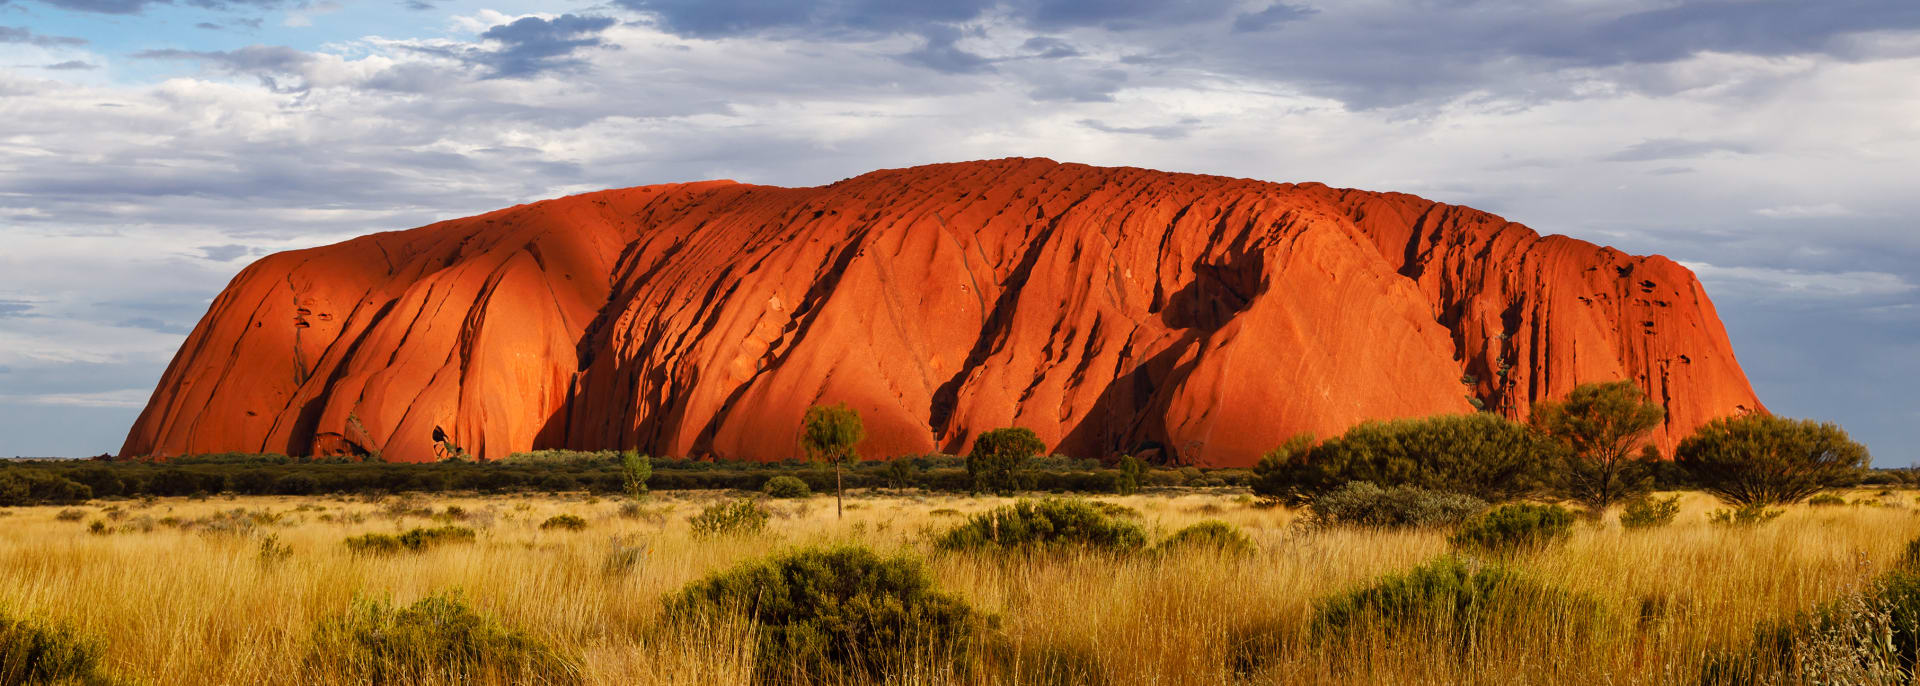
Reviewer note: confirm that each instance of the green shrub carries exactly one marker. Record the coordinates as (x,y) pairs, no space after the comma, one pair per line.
(1513,528)
(1826,500)
(414,540)
(836,615)
(786,487)
(1453,596)
(1648,512)
(1478,454)
(35,487)
(1131,469)
(34,652)
(1211,535)
(1602,429)
(1761,459)
(998,455)
(1867,637)
(1360,503)
(1044,524)
(567,522)
(438,639)
(1753,514)
(732,518)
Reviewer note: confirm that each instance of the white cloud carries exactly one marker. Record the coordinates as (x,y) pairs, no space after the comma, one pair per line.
(1760,280)
(1820,211)
(125,398)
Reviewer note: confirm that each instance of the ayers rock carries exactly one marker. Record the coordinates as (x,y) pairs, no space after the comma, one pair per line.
(1199,319)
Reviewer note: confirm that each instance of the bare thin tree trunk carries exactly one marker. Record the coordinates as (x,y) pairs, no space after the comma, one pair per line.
(838,511)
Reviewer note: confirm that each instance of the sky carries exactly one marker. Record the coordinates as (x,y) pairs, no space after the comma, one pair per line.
(149,149)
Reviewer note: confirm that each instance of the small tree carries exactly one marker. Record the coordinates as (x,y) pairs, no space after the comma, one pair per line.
(635,469)
(1131,469)
(829,433)
(1760,459)
(1602,426)
(997,454)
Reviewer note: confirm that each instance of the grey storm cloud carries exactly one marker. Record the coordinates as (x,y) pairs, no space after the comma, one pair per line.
(71,65)
(15,308)
(530,45)
(15,34)
(525,47)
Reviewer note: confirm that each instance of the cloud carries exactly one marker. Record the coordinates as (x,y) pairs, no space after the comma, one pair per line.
(1761,282)
(124,397)
(225,253)
(940,53)
(1048,48)
(270,63)
(1675,148)
(1272,17)
(71,65)
(15,308)
(1820,211)
(1165,132)
(528,46)
(152,324)
(14,34)
(137,6)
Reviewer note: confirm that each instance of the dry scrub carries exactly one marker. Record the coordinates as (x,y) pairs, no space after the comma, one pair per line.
(179,591)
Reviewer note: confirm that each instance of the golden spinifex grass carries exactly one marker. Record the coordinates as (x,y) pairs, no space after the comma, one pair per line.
(175,601)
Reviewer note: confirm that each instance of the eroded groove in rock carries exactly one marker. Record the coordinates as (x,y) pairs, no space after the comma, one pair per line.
(1200,320)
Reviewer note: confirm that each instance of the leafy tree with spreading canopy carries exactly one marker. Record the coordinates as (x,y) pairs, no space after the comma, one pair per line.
(998,454)
(1603,428)
(1479,454)
(828,433)
(1761,459)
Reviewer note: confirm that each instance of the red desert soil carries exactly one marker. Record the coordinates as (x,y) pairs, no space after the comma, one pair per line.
(1107,309)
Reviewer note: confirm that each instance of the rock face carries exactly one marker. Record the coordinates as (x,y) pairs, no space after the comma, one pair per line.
(1199,319)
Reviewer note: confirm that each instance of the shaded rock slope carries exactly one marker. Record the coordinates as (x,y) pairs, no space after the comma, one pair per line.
(1198,319)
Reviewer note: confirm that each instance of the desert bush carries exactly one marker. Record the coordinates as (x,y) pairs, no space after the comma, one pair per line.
(414,540)
(1869,636)
(437,639)
(1052,523)
(998,455)
(1826,500)
(1766,460)
(840,614)
(1454,597)
(731,518)
(1646,512)
(1360,503)
(624,554)
(1753,514)
(1479,454)
(70,515)
(567,522)
(1114,509)
(35,652)
(1601,428)
(786,487)
(34,487)
(1210,535)
(1514,528)
(1131,470)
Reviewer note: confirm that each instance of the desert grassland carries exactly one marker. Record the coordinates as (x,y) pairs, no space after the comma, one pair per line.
(198,606)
